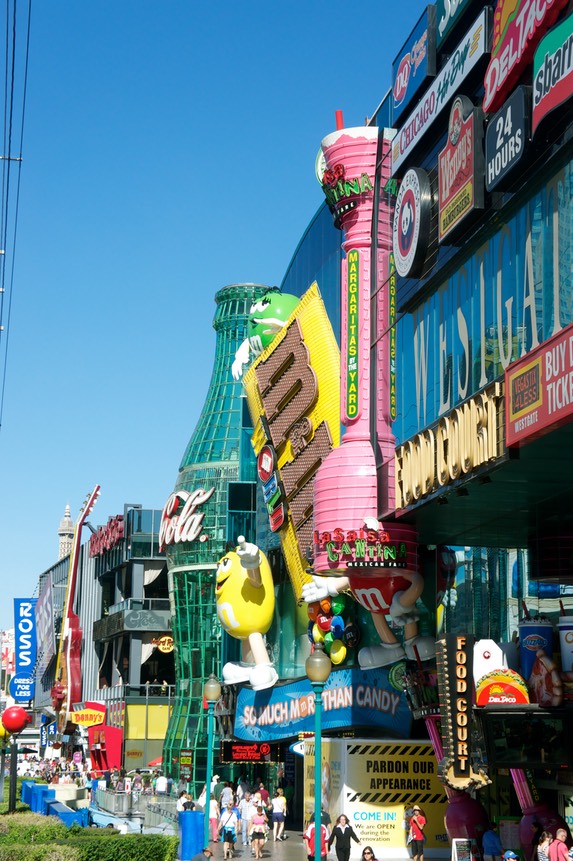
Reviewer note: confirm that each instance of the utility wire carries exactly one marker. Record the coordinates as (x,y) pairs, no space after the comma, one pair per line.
(10,75)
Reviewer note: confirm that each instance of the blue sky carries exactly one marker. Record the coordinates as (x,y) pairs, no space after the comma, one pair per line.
(169,150)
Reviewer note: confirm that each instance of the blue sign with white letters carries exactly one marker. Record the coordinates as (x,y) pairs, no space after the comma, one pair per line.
(22,687)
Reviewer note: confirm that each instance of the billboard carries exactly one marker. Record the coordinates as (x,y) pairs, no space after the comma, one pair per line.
(292,394)
(553,71)
(351,697)
(374,783)
(22,685)
(463,60)
(539,389)
(414,63)
(460,167)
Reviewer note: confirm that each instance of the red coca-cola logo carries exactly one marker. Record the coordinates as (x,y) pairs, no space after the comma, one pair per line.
(402,79)
(180,520)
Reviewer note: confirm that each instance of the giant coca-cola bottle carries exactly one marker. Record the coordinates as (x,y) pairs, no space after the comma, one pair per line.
(211,503)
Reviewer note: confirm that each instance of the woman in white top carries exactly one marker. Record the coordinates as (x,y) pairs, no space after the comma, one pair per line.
(279,806)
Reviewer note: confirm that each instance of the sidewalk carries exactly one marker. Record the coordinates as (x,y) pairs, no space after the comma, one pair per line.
(291,849)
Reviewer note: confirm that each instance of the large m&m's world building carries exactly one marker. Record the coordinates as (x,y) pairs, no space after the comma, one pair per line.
(382,471)
(408,396)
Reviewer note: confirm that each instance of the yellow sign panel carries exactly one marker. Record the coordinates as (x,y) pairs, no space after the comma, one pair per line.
(375,783)
(89,717)
(293,397)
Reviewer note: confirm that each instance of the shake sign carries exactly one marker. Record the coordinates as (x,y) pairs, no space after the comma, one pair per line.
(553,71)
(518,28)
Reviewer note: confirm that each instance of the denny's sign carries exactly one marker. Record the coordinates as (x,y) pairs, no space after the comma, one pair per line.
(92,714)
(292,394)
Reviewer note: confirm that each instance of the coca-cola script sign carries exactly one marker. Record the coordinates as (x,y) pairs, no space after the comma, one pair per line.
(460,167)
(181,520)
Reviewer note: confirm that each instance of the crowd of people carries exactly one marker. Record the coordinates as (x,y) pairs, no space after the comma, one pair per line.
(249,813)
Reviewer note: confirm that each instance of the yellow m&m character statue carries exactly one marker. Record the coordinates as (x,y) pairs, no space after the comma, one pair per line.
(245,599)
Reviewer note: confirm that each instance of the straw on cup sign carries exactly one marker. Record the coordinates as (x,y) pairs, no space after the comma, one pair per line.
(565,628)
(534,634)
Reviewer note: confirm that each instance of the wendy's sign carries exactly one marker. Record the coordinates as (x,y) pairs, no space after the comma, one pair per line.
(460,167)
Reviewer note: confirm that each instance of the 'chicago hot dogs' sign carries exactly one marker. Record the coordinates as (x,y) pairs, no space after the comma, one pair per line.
(464,58)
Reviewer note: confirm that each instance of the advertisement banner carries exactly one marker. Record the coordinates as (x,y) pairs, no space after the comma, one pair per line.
(25,643)
(449,13)
(45,631)
(460,167)
(466,56)
(351,697)
(375,784)
(553,71)
(539,389)
(415,62)
(518,27)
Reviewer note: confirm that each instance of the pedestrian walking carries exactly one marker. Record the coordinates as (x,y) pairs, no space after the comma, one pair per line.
(258,833)
(279,809)
(228,829)
(342,833)
(417,825)
(491,844)
(247,810)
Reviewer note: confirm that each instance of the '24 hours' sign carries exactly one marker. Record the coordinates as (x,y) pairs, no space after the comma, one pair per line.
(507,136)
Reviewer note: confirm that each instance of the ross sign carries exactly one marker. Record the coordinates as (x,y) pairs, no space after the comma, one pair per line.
(232,751)
(180,520)
(539,389)
(22,687)
(518,26)
(460,167)
(553,71)
(351,697)
(415,62)
(25,644)
(506,138)
(411,227)
(107,536)
(469,437)
(448,14)
(463,60)
(289,391)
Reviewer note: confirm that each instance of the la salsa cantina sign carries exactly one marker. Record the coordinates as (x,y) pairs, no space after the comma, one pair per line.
(362,548)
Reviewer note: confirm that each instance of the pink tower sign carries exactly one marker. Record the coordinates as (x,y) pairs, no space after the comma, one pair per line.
(346,494)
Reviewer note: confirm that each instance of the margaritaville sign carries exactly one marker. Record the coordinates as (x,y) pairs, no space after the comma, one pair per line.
(469,437)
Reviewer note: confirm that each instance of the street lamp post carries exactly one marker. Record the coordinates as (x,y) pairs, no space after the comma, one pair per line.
(318,668)
(14,719)
(212,694)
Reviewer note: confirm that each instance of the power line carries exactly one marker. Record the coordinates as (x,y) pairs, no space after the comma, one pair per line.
(8,161)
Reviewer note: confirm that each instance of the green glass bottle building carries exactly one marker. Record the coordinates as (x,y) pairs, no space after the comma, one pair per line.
(213,502)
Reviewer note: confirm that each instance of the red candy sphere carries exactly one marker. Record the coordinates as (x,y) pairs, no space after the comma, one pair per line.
(15,719)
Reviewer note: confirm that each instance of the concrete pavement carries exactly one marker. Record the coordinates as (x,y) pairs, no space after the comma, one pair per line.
(291,849)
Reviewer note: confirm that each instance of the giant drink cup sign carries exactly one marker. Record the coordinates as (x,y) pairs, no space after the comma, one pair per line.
(346,485)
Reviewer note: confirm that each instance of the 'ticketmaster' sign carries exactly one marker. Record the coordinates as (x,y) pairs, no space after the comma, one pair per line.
(539,389)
